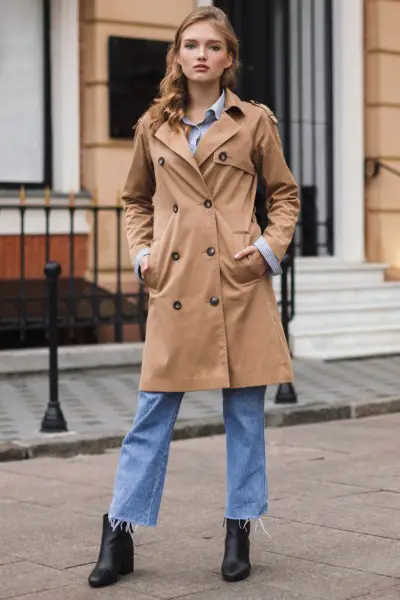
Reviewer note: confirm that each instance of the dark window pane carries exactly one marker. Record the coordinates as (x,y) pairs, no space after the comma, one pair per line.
(136,67)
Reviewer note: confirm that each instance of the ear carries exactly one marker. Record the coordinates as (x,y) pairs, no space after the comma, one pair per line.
(230,60)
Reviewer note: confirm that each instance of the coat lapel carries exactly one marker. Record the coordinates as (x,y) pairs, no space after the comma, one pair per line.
(177,142)
(220,132)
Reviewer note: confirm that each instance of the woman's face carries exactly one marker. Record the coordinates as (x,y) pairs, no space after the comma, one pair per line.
(203,54)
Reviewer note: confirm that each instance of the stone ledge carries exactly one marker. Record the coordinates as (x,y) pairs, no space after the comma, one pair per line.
(71,358)
(69,444)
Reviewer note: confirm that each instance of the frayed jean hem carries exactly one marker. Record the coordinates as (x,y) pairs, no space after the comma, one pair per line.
(246,514)
(128,526)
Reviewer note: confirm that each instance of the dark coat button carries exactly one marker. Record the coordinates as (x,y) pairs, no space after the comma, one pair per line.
(161,161)
(223,156)
(210,251)
(207,203)
(175,255)
(214,301)
(177,305)
(175,208)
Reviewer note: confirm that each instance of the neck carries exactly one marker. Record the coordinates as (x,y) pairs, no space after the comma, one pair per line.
(201,97)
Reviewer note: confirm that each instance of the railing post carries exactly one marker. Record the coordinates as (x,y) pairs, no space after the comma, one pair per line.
(286,394)
(53,420)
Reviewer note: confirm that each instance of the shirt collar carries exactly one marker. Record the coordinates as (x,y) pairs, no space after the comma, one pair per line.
(215,110)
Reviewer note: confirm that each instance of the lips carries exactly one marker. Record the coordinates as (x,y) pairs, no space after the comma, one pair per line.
(201,68)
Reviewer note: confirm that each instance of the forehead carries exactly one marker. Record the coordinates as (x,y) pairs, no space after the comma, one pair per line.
(203,30)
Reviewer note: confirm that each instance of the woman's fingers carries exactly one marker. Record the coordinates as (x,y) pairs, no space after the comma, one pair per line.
(144,263)
(246,252)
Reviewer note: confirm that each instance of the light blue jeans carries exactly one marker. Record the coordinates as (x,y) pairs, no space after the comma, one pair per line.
(144,455)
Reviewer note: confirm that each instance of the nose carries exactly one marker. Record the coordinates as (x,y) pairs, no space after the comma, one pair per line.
(202,53)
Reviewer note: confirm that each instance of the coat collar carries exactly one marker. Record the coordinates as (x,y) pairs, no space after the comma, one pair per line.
(220,132)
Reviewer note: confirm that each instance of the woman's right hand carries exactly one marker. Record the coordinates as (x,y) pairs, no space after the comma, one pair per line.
(144,265)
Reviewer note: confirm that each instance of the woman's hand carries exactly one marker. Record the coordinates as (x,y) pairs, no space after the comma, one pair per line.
(247,251)
(144,264)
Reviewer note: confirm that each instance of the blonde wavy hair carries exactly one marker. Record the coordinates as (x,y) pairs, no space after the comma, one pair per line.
(171,103)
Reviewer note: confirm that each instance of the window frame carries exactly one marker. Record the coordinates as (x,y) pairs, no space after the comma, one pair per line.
(47,112)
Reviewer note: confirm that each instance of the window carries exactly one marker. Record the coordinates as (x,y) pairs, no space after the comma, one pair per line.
(25,121)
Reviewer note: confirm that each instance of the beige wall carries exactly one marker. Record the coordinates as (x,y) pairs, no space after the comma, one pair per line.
(105,162)
(382,130)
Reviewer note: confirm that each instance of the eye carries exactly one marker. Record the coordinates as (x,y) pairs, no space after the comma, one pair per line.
(190,45)
(215,48)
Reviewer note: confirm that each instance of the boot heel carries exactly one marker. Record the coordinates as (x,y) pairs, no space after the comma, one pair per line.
(127,566)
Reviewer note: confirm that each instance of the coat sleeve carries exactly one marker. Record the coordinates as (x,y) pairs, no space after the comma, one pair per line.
(138,193)
(282,192)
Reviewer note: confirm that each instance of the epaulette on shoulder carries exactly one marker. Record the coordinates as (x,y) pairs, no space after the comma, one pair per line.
(140,119)
(267,110)
(137,123)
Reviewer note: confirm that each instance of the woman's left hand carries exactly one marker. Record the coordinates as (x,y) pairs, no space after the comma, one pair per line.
(247,251)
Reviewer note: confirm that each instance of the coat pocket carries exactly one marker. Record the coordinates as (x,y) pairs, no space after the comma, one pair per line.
(251,268)
(151,278)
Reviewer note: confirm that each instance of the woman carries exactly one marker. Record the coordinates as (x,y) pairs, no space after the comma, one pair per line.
(213,320)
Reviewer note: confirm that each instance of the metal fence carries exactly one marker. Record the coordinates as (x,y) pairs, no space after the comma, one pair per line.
(84,305)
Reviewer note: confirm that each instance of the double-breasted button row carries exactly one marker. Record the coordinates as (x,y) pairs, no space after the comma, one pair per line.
(176,255)
(175,208)
(161,161)
(223,156)
(214,301)
(207,203)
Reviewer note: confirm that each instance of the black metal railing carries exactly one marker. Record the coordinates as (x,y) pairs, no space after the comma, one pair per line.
(90,301)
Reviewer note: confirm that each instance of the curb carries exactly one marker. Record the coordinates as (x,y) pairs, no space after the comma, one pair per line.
(71,358)
(65,445)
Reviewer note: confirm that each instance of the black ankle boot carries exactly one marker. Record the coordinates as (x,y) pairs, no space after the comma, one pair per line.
(236,564)
(115,558)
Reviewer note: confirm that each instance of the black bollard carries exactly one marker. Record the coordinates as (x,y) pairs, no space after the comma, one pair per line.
(286,394)
(53,420)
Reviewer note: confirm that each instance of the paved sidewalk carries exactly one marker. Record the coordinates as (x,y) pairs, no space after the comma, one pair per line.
(334,521)
(99,404)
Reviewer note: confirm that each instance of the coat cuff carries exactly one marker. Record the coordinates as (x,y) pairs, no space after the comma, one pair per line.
(266,251)
(139,255)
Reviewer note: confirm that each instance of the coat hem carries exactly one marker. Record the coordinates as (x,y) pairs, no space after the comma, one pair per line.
(273,376)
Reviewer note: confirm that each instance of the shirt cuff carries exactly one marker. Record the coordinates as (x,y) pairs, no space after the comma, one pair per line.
(266,251)
(139,255)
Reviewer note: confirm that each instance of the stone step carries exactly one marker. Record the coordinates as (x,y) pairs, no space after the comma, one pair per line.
(346,342)
(335,294)
(342,315)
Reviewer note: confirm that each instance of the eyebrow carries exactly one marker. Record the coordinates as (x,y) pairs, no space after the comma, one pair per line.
(209,41)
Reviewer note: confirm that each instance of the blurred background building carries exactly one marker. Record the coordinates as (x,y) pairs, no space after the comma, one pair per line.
(75,76)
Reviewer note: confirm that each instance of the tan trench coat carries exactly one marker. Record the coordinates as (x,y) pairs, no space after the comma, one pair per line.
(213,321)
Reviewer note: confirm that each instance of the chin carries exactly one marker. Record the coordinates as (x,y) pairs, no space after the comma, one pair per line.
(206,77)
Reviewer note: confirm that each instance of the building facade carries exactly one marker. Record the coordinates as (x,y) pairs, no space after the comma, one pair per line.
(326,67)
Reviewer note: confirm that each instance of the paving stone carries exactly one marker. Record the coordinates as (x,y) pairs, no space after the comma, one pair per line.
(367,553)
(312,578)
(166,579)
(49,537)
(6,559)
(162,577)
(78,472)
(389,594)
(21,578)
(84,592)
(46,492)
(343,513)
